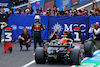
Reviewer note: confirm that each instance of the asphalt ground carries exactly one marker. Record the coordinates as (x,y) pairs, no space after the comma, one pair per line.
(23,58)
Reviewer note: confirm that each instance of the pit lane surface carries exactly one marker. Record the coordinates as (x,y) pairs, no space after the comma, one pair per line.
(22,58)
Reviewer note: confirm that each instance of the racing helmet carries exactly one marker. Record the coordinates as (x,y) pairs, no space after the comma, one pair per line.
(63,40)
(37,17)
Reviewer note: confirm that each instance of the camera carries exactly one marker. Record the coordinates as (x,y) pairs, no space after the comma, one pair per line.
(58,13)
(65,32)
(81,10)
(94,3)
(56,32)
(37,10)
(66,14)
(92,12)
(73,11)
(48,9)
(54,9)
(40,10)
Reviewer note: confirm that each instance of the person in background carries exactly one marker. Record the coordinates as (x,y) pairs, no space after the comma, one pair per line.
(69,35)
(54,10)
(64,10)
(86,13)
(96,34)
(3,20)
(54,35)
(18,11)
(24,39)
(97,13)
(39,11)
(57,13)
(29,6)
(67,13)
(48,12)
(10,11)
(95,3)
(27,11)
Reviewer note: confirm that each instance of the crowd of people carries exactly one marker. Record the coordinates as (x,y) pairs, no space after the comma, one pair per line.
(55,12)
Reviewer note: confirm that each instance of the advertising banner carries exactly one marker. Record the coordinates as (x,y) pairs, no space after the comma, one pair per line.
(19,22)
(63,23)
(74,2)
(5,3)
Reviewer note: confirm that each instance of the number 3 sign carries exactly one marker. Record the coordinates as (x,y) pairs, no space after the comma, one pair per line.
(8,39)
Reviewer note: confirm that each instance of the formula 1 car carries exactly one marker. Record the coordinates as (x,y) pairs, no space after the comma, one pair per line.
(64,48)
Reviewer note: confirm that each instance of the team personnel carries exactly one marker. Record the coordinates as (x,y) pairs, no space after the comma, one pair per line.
(24,39)
(96,34)
(37,26)
(69,35)
(3,21)
(54,35)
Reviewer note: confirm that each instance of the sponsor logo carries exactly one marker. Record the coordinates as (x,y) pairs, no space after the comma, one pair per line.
(14,27)
(68,27)
(58,27)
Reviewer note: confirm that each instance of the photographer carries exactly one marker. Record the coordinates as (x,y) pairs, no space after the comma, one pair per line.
(67,13)
(48,12)
(57,13)
(54,10)
(74,12)
(29,6)
(95,3)
(92,12)
(81,12)
(96,34)
(69,35)
(86,13)
(27,11)
(97,13)
(39,11)
(54,35)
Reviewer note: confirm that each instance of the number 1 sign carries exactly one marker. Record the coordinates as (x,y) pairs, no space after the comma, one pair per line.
(77,33)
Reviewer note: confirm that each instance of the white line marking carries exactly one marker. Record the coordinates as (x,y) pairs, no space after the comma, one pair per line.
(28,64)
(99,66)
(73,66)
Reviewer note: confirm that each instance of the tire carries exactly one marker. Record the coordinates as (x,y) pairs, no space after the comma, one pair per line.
(40,55)
(88,49)
(75,57)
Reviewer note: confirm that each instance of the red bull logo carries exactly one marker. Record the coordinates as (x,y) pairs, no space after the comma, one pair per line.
(63,40)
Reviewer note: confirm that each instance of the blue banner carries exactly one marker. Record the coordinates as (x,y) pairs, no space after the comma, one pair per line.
(19,22)
(92,20)
(60,4)
(63,23)
(5,3)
